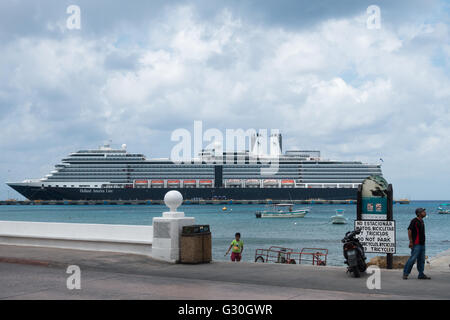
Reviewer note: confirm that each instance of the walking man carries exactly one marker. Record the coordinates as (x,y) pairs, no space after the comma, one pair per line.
(416,235)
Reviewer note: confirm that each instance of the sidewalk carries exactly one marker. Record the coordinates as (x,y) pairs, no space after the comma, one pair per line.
(40,273)
(441,261)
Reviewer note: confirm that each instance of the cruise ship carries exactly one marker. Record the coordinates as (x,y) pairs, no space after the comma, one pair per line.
(110,173)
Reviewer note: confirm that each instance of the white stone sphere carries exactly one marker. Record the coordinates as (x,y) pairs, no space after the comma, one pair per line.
(173,199)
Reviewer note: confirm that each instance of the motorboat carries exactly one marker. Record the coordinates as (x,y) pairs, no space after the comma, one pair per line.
(339,218)
(444,208)
(282,210)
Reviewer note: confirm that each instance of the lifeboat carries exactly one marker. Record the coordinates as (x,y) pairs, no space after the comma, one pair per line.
(173,183)
(206,182)
(252,183)
(190,183)
(141,182)
(158,183)
(270,182)
(287,183)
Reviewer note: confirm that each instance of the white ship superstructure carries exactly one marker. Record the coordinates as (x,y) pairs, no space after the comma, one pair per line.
(104,169)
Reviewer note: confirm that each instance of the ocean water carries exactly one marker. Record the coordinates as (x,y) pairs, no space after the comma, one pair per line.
(315,230)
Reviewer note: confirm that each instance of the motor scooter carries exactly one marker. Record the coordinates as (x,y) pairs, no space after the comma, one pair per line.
(354,254)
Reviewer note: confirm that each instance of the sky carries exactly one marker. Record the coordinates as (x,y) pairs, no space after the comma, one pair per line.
(136,71)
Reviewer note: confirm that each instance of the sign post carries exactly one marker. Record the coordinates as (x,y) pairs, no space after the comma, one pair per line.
(390,217)
(374,216)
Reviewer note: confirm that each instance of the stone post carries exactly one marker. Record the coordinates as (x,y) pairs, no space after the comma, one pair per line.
(167,229)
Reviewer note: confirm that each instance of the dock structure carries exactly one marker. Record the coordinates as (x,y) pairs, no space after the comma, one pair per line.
(161,202)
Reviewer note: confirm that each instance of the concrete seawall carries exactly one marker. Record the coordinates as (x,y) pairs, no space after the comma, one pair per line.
(96,237)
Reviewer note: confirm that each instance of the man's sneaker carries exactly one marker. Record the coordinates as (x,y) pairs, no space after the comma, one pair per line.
(405,277)
(424,277)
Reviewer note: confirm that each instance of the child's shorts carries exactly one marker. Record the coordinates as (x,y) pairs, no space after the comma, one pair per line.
(235,256)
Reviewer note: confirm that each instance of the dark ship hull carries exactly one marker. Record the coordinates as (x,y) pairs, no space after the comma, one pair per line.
(53,193)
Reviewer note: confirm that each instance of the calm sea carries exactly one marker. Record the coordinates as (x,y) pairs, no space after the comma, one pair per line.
(315,230)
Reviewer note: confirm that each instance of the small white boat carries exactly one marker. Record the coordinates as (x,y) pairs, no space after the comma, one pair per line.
(282,210)
(339,218)
(444,208)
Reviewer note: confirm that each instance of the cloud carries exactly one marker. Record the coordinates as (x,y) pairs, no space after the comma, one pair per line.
(328,83)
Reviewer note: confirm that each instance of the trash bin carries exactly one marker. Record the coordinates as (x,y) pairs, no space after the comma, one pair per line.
(195,244)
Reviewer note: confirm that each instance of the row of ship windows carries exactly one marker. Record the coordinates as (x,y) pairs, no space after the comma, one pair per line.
(210,169)
(138,175)
(226,178)
(170,166)
(102,154)
(134,174)
(132,177)
(103,158)
(206,177)
(141,158)
(300,180)
(177,167)
(230,171)
(72,172)
(130,170)
(244,166)
(142,187)
(366,173)
(225,160)
(133,167)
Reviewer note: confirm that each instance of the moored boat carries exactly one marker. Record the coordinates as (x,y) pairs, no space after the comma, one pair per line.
(402,201)
(444,208)
(282,210)
(339,218)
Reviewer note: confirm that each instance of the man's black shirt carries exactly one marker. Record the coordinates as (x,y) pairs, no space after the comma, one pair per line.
(417,228)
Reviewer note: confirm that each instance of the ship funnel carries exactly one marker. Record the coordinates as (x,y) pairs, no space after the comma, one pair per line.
(257,144)
(275,145)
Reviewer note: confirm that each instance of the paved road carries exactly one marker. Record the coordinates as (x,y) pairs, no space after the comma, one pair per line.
(40,273)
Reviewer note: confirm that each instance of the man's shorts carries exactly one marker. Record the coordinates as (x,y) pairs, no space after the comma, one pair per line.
(235,256)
